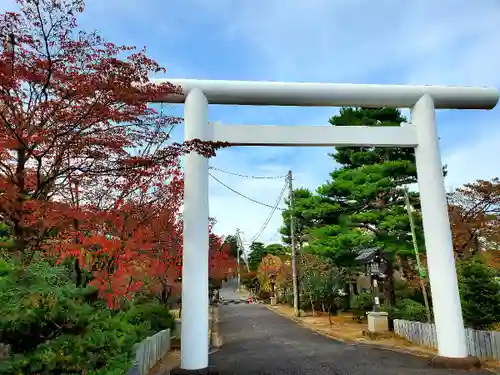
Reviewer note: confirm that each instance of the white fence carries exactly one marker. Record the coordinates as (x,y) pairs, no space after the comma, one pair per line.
(483,344)
(149,351)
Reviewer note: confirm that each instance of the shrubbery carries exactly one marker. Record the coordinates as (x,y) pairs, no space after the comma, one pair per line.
(479,287)
(361,304)
(408,309)
(250,281)
(153,315)
(480,294)
(53,327)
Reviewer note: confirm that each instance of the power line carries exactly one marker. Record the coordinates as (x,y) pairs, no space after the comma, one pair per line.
(273,208)
(242,195)
(247,176)
(266,223)
(275,235)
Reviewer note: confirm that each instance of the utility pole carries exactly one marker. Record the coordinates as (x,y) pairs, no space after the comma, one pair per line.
(296,307)
(238,256)
(417,256)
(241,244)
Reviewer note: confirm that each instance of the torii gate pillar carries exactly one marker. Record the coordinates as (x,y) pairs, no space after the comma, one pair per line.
(195,301)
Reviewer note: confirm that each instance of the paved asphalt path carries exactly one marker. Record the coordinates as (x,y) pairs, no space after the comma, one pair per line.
(229,291)
(258,341)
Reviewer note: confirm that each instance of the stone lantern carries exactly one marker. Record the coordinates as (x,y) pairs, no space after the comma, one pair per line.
(272,280)
(376,266)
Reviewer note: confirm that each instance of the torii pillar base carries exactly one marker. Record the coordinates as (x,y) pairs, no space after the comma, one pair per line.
(466,363)
(204,371)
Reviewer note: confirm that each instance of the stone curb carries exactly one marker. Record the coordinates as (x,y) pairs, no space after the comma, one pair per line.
(398,349)
(215,335)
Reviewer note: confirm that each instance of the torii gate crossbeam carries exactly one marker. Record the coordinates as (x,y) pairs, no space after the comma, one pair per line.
(420,133)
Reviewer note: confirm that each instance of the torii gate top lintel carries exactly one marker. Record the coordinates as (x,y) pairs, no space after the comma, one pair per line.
(332,94)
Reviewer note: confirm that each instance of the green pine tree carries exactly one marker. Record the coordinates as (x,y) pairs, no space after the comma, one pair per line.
(259,251)
(363,204)
(479,293)
(368,193)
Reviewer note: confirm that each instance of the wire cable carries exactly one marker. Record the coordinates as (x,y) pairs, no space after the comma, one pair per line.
(266,223)
(242,195)
(246,176)
(275,235)
(273,208)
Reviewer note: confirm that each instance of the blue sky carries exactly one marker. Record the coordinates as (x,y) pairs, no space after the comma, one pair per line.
(451,42)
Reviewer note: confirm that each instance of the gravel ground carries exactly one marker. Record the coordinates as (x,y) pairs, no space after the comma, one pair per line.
(258,341)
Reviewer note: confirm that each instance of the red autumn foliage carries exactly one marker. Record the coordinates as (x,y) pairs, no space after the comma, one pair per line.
(87,169)
(221,263)
(474,211)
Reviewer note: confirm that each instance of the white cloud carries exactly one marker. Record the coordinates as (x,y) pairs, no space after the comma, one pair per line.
(473,161)
(350,40)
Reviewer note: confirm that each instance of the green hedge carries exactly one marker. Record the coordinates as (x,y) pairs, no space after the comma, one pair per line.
(407,309)
(360,305)
(480,294)
(53,327)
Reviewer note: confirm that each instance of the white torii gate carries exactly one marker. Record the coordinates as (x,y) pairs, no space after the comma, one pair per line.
(420,134)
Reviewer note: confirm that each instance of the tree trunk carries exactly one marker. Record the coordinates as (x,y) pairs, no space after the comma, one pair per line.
(350,294)
(19,240)
(164,295)
(312,306)
(78,273)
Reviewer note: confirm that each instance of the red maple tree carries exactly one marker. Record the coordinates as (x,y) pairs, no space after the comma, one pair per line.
(221,263)
(474,211)
(87,169)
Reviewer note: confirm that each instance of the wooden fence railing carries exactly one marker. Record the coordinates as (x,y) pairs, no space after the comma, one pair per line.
(482,344)
(149,351)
